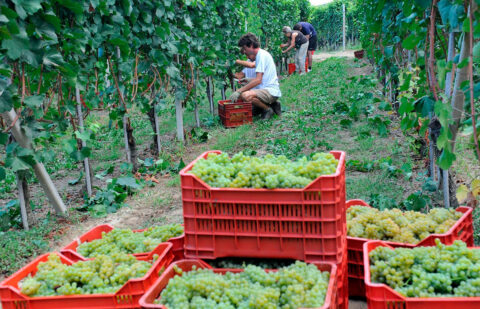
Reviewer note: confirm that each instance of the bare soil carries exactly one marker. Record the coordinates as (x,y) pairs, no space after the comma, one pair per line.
(320,56)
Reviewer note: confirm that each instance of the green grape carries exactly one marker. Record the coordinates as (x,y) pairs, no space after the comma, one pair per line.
(103,275)
(127,241)
(299,285)
(397,226)
(437,271)
(270,171)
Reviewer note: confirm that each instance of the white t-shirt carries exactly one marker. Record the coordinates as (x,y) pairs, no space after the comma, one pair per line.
(250,73)
(264,64)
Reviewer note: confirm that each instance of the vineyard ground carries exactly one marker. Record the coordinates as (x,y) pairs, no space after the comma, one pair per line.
(322,55)
(323,110)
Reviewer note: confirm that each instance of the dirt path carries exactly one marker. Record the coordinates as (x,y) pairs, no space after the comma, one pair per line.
(320,56)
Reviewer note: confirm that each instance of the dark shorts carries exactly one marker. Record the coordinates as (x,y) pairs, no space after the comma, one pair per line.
(312,43)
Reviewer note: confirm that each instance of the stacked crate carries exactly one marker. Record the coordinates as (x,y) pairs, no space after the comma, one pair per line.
(306,224)
(462,230)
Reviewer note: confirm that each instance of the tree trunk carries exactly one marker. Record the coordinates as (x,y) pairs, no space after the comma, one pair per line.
(128,151)
(155,147)
(210,95)
(131,144)
(128,138)
(223,92)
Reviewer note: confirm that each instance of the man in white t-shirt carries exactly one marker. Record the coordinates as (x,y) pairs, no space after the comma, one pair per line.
(268,90)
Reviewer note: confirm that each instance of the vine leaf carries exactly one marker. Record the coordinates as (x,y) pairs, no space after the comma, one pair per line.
(16,164)
(411,41)
(462,193)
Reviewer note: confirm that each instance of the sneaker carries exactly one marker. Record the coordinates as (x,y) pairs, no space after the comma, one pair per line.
(268,114)
(277,108)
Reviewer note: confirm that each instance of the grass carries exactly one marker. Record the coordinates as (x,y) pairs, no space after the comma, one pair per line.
(17,247)
(229,140)
(174,182)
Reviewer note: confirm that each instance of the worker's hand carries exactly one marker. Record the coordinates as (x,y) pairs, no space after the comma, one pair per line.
(245,80)
(234,97)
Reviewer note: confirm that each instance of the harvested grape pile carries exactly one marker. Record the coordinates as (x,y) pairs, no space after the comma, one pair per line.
(103,275)
(428,271)
(300,285)
(394,225)
(127,241)
(270,171)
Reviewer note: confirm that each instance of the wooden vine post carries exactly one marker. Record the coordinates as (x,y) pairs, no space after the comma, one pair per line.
(23,199)
(86,163)
(179,111)
(44,179)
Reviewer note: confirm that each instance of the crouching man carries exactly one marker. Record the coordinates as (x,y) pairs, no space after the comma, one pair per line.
(267,88)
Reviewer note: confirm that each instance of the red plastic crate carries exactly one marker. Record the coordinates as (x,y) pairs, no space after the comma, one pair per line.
(303,224)
(381,296)
(235,114)
(342,282)
(292,67)
(186,265)
(462,230)
(70,251)
(126,297)
(359,53)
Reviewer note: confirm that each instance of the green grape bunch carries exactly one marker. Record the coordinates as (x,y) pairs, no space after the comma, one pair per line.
(436,271)
(394,225)
(299,285)
(102,275)
(270,171)
(128,241)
